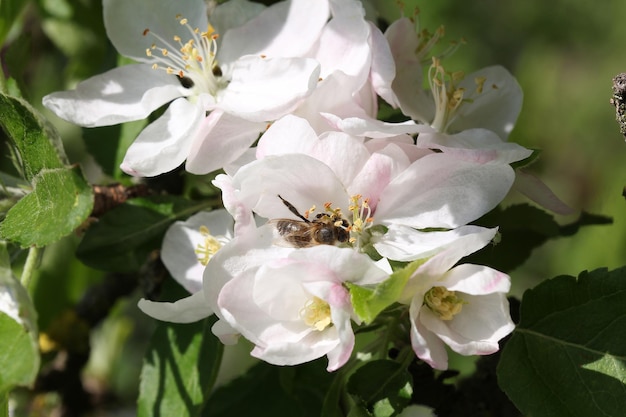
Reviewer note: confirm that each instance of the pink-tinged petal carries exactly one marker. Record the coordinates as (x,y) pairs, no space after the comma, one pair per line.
(476,330)
(383,69)
(469,240)
(426,345)
(402,243)
(299,179)
(476,280)
(125,23)
(441,191)
(222,138)
(273,31)
(338,265)
(478,145)
(313,346)
(244,220)
(166,142)
(344,154)
(263,89)
(186,310)
(120,95)
(225,332)
(180,243)
(407,85)
(496,108)
(289,134)
(377,173)
(537,191)
(372,128)
(340,354)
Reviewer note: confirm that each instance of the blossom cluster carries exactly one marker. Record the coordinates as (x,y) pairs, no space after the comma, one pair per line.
(322,200)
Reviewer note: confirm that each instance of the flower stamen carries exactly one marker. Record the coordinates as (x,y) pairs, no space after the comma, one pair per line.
(193,59)
(443,303)
(208,248)
(316,314)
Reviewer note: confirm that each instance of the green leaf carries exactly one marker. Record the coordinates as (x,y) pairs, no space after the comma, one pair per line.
(122,238)
(60,202)
(19,349)
(267,391)
(38,144)
(567,356)
(368,302)
(522,228)
(383,386)
(179,370)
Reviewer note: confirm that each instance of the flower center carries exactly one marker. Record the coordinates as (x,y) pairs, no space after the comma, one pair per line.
(208,248)
(448,95)
(361,217)
(316,314)
(193,61)
(443,303)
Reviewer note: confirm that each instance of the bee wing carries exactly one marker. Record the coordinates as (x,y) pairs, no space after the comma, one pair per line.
(292,233)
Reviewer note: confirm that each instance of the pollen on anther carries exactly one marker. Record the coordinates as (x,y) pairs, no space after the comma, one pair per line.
(183,21)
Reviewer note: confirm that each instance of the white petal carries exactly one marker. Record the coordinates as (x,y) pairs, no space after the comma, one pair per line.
(496,108)
(344,46)
(372,128)
(166,142)
(244,221)
(125,22)
(232,14)
(441,191)
(289,134)
(222,138)
(186,310)
(476,330)
(263,89)
(402,243)
(407,85)
(476,280)
(225,332)
(120,95)
(333,95)
(273,31)
(426,345)
(383,69)
(479,145)
(299,179)
(537,191)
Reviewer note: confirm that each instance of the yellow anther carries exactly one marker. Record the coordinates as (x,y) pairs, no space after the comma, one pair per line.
(316,314)
(443,303)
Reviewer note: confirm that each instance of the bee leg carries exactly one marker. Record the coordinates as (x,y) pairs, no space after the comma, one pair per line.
(293,209)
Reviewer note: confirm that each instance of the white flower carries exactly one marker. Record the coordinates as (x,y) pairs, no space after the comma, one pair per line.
(253,77)
(376,183)
(292,305)
(464,307)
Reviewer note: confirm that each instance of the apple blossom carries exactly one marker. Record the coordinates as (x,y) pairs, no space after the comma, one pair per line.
(293,305)
(338,173)
(254,76)
(464,306)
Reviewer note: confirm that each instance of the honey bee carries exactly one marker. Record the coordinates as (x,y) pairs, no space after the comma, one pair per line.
(325,229)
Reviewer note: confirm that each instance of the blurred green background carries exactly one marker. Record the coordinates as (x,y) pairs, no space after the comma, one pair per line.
(563,53)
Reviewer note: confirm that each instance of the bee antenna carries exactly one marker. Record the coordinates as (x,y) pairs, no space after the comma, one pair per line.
(293,209)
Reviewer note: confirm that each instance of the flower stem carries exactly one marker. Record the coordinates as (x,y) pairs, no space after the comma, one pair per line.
(29,266)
